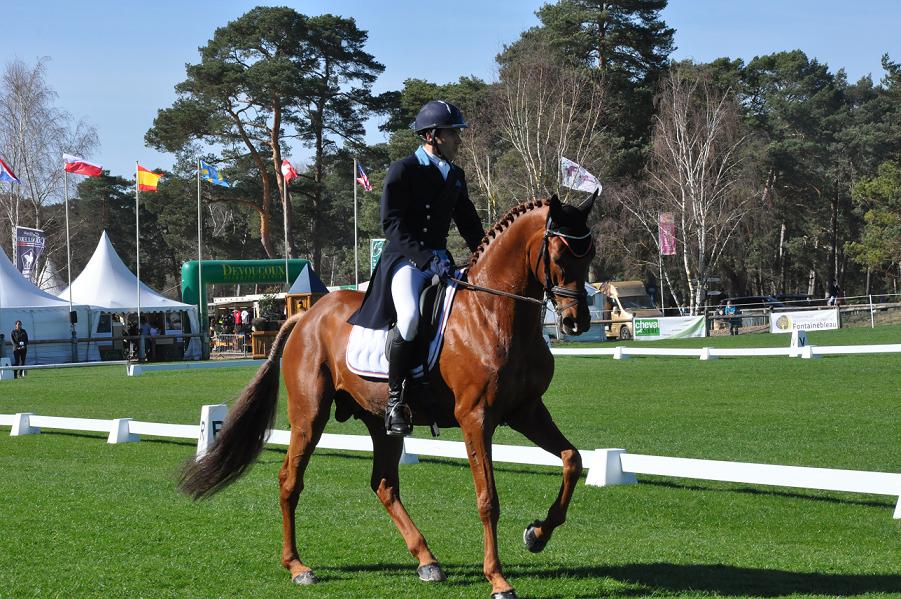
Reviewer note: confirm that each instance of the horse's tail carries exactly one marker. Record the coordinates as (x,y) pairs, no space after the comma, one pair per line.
(245,429)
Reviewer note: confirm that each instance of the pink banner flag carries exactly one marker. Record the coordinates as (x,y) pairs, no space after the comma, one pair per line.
(667,233)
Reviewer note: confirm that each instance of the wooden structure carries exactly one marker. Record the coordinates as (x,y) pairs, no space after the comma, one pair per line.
(305,291)
(261,343)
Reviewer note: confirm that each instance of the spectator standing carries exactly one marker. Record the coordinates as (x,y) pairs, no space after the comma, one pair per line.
(835,294)
(19,339)
(732,313)
(245,320)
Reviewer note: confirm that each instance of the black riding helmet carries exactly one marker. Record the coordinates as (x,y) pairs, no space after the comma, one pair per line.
(438,114)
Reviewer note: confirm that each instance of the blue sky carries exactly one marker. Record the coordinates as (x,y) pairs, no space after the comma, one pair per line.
(115,63)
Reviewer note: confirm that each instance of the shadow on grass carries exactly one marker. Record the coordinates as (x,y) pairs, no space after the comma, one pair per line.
(888,503)
(664,578)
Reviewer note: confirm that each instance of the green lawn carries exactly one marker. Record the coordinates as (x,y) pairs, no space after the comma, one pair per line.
(80,518)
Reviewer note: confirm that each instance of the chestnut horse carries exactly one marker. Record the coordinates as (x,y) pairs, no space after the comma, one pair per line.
(493,369)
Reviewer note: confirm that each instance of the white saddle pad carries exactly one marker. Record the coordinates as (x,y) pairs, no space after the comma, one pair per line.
(366,347)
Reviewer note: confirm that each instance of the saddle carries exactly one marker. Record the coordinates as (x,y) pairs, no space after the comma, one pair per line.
(366,348)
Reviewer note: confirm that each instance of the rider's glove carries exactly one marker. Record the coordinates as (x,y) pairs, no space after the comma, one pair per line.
(441,267)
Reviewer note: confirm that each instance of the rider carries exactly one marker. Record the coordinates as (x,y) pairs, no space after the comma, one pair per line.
(423,192)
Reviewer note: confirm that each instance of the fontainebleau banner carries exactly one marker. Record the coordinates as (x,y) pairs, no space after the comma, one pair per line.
(804,320)
(28,248)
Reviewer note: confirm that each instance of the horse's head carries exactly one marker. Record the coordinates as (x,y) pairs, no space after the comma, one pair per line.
(567,251)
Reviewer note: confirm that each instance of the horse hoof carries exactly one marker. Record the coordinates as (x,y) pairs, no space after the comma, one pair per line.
(531,540)
(511,594)
(305,578)
(430,573)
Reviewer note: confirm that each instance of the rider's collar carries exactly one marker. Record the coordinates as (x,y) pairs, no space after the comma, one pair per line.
(422,156)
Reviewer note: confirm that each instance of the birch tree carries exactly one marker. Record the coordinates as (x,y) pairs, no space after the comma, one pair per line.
(34,133)
(547,111)
(694,172)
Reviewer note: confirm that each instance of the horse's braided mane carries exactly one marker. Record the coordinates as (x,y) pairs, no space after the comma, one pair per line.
(502,224)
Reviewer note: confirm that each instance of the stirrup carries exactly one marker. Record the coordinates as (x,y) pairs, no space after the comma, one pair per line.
(398,420)
(398,416)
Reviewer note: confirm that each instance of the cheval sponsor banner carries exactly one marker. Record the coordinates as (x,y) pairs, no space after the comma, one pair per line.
(807,320)
(29,247)
(670,327)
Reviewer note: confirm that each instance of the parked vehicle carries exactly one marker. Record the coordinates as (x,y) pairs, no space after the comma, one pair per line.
(751,302)
(800,300)
(623,301)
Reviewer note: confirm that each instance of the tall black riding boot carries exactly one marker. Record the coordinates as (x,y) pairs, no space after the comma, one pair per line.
(398,417)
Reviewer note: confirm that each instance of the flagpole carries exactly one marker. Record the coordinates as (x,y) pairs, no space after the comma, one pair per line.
(285,219)
(353,181)
(200,307)
(69,268)
(138,259)
(68,249)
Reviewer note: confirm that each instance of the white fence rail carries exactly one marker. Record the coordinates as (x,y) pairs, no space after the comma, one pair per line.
(621,352)
(605,466)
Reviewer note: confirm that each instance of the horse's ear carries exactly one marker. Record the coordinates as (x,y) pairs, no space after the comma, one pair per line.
(588,204)
(556,208)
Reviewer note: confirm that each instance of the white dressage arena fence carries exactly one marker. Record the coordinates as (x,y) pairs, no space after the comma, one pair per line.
(605,466)
(798,349)
(622,352)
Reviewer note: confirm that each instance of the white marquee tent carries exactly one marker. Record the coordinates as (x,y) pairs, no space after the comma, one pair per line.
(44,317)
(108,285)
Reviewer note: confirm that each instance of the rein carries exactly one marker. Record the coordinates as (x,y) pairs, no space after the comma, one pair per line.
(550,292)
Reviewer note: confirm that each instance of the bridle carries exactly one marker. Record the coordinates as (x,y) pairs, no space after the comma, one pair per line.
(551,292)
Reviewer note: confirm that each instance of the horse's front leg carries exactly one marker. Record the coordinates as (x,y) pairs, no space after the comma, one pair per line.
(477,433)
(535,422)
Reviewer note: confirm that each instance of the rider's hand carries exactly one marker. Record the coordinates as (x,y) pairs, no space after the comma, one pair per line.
(441,267)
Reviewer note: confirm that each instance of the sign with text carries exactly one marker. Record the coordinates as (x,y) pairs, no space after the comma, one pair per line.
(670,327)
(375,252)
(805,320)
(29,247)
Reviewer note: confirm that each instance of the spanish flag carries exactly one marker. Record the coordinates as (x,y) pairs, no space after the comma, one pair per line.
(147,181)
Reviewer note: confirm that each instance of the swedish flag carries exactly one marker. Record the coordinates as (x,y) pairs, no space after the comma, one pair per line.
(211,174)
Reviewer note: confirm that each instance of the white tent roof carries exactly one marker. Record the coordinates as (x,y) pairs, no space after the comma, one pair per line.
(49,280)
(107,283)
(18,292)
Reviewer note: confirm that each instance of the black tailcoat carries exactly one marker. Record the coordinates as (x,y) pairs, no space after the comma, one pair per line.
(417,208)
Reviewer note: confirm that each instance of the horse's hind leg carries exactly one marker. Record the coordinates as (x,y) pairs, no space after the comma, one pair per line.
(385,483)
(308,412)
(535,422)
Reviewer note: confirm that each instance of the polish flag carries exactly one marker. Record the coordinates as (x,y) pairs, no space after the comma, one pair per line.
(288,171)
(78,166)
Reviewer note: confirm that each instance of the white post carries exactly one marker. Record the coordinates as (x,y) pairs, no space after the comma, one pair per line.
(119,432)
(798,343)
(22,425)
(407,458)
(872,310)
(605,469)
(211,419)
(706,355)
(353,181)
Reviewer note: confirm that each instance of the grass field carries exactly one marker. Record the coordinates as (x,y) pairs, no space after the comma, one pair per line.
(82,518)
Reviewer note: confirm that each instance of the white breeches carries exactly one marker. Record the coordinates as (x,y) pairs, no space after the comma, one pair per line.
(407,283)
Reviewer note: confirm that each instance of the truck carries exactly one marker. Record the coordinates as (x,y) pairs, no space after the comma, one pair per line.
(623,301)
